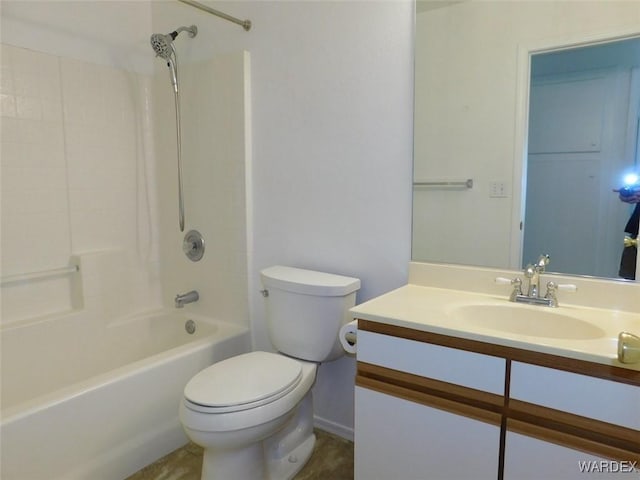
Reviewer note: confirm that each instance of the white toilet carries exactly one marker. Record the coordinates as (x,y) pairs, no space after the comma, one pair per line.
(253,413)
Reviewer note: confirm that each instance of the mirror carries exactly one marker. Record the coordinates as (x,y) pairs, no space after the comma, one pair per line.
(498,179)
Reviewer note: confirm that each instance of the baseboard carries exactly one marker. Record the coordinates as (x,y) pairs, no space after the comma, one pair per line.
(334,428)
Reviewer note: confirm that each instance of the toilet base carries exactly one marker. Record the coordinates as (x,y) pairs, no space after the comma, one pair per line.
(278,457)
(242,463)
(288,450)
(287,467)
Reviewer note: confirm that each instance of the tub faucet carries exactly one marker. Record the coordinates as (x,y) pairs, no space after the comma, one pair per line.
(189,297)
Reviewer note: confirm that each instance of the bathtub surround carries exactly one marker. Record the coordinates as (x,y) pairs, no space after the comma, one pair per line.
(216,119)
(76,177)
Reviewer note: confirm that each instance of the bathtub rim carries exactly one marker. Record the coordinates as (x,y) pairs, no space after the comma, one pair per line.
(33,405)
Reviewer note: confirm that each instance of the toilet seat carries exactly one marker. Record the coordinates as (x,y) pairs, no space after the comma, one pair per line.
(243,382)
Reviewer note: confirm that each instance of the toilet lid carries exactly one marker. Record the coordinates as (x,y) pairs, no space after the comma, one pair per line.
(243,382)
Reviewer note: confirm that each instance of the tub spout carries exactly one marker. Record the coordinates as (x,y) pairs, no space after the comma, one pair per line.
(189,297)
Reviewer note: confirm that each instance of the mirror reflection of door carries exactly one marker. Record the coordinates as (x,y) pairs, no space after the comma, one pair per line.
(583,117)
(636,149)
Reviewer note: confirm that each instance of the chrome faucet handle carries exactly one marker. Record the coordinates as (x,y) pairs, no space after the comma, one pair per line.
(542,262)
(517,286)
(551,294)
(553,287)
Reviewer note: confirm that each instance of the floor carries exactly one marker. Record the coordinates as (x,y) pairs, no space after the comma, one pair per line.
(332,458)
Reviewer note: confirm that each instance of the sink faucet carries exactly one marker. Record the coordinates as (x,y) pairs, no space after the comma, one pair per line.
(182,299)
(532,296)
(532,272)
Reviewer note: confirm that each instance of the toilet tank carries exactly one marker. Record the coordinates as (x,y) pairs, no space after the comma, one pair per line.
(306,309)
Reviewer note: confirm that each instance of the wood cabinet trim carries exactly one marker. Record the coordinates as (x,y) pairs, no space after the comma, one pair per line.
(583,367)
(408,381)
(468,411)
(626,439)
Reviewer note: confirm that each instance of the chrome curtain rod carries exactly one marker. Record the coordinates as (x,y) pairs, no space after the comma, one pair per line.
(246,24)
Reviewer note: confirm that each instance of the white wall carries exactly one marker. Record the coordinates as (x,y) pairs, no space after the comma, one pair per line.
(332,105)
(332,155)
(466,106)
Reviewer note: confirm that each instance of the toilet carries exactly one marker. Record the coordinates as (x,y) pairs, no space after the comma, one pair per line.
(253,413)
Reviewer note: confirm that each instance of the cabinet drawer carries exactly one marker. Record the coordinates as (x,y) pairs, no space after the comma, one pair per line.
(603,400)
(468,369)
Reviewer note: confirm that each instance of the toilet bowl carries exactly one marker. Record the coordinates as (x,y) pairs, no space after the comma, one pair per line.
(253,413)
(237,403)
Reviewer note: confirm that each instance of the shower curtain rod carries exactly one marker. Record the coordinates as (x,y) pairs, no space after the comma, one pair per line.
(246,24)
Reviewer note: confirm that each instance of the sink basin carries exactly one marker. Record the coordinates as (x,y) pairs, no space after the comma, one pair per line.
(534,322)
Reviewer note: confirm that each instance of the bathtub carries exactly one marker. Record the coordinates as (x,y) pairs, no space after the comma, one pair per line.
(82,399)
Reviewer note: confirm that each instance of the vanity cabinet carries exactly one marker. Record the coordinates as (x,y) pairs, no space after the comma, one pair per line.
(436,406)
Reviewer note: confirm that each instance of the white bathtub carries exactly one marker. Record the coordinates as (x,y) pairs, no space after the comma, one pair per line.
(81,400)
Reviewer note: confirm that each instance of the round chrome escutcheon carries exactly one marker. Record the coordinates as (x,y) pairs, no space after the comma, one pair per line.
(193,245)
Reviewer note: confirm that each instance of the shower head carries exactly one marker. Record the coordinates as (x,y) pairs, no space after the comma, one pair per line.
(162,44)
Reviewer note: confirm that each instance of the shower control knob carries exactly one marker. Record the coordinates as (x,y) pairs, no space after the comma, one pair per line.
(193,245)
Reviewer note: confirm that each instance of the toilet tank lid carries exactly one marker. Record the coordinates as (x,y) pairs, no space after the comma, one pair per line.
(308,282)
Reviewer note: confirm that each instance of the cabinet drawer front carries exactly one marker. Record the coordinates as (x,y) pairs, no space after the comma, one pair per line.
(591,397)
(473,370)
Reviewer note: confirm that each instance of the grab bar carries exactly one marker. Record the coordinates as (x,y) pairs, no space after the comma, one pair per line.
(21,277)
(468,183)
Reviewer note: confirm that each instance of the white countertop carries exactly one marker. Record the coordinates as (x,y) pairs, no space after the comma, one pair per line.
(437,310)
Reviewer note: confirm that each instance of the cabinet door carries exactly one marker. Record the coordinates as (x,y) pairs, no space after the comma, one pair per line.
(528,458)
(402,440)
